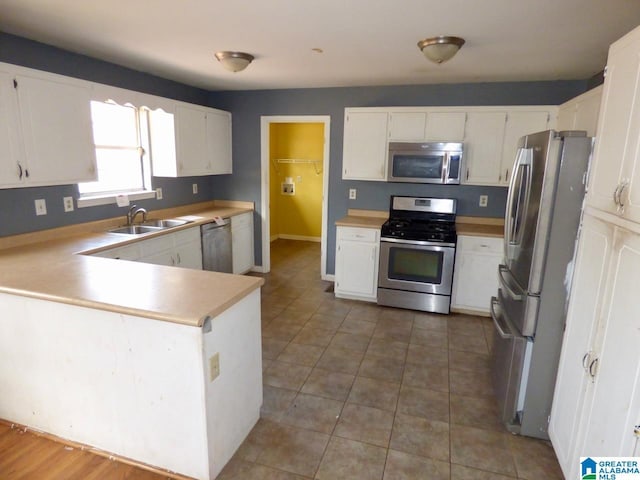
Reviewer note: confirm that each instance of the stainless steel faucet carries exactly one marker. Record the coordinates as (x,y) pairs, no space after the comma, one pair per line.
(133,212)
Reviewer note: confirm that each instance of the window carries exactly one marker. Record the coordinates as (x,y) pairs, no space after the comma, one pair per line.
(120,136)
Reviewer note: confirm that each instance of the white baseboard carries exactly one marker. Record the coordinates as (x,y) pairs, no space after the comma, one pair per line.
(284,236)
(329,277)
(257,269)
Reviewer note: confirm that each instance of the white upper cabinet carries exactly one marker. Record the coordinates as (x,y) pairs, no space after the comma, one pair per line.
(45,135)
(615,179)
(407,126)
(219,141)
(445,126)
(581,112)
(518,125)
(365,145)
(190,141)
(484,134)
(11,149)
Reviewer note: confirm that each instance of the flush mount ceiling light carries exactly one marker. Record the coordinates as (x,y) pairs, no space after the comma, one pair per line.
(234,61)
(440,49)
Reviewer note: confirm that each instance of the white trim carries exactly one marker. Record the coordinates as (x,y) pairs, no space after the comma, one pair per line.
(304,238)
(265,122)
(329,277)
(257,269)
(94,200)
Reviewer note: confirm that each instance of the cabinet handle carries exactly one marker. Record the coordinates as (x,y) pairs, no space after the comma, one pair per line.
(620,202)
(593,368)
(467,174)
(26,172)
(506,175)
(179,260)
(616,198)
(173,261)
(20,171)
(585,360)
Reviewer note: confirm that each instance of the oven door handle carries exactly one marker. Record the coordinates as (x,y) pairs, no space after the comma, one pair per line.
(416,242)
(498,320)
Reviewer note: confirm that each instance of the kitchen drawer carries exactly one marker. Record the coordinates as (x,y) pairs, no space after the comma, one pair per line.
(358,234)
(187,235)
(481,244)
(243,220)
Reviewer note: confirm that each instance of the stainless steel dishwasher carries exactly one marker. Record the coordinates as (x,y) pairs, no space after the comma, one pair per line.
(216,246)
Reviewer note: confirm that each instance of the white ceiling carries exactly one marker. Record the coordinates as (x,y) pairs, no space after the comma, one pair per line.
(365,42)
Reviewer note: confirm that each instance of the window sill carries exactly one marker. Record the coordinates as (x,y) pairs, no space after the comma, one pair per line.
(94,200)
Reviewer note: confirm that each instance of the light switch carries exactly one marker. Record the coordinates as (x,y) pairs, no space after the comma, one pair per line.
(41,206)
(214,367)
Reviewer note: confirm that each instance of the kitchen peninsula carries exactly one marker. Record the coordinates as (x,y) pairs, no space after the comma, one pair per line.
(156,364)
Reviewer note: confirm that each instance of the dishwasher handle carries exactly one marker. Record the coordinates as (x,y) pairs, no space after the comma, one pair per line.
(213,225)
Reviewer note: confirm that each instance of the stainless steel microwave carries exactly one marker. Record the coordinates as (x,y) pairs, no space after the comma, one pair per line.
(428,162)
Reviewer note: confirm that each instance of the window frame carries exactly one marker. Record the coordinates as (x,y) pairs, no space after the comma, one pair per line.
(89,199)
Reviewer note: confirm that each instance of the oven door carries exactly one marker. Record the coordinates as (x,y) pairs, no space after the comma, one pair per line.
(415,266)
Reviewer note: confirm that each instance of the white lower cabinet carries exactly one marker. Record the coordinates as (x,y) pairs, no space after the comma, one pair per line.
(242,242)
(178,249)
(596,405)
(475,279)
(357,254)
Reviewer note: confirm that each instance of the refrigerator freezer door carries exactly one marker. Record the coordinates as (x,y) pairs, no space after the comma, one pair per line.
(508,369)
(520,308)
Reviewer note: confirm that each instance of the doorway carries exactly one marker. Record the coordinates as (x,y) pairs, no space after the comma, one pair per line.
(294,181)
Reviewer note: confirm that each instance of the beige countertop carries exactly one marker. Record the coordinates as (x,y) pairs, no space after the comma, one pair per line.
(363,218)
(54,265)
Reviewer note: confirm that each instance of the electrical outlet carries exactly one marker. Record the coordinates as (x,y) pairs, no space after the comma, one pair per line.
(158,193)
(352,193)
(68,204)
(195,188)
(41,207)
(214,367)
(484,200)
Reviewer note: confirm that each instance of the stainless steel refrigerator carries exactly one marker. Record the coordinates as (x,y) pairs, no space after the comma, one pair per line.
(541,225)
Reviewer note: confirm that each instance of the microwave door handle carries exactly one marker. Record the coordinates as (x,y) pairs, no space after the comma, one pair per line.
(445,168)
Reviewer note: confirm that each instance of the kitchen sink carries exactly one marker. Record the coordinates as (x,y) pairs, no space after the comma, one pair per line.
(149,226)
(135,229)
(167,223)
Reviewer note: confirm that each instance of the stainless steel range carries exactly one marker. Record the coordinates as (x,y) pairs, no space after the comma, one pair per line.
(417,251)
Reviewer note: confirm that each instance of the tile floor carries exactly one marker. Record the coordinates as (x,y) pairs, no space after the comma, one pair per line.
(356,391)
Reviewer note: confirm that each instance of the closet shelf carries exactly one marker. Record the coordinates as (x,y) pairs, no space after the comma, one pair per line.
(299,161)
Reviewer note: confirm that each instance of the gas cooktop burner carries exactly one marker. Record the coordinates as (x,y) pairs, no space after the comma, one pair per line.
(421,220)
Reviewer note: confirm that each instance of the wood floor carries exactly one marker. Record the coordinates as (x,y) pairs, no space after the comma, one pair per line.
(28,456)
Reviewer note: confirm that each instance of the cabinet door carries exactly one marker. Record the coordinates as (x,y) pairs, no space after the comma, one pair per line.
(610,424)
(162,134)
(189,255)
(357,269)
(219,142)
(618,131)
(365,146)
(475,279)
(165,257)
(445,126)
(11,153)
(191,141)
(587,109)
(56,126)
(242,243)
(407,126)
(518,125)
(484,133)
(578,348)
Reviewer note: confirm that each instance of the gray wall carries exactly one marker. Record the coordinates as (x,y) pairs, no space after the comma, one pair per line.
(247,107)
(17,212)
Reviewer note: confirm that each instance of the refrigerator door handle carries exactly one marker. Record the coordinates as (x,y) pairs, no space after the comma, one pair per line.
(503,272)
(517,201)
(498,320)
